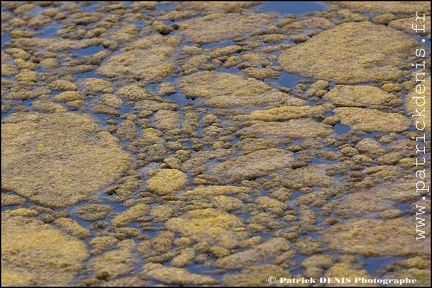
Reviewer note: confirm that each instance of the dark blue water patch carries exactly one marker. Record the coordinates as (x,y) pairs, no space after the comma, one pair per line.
(4,39)
(424,41)
(187,144)
(55,93)
(296,195)
(25,102)
(180,99)
(89,8)
(371,135)
(10,207)
(341,129)
(49,31)
(291,7)
(329,114)
(331,148)
(298,270)
(4,115)
(316,161)
(153,86)
(371,15)
(138,24)
(290,80)
(374,264)
(404,207)
(231,70)
(89,51)
(102,119)
(90,74)
(218,44)
(125,109)
(166,6)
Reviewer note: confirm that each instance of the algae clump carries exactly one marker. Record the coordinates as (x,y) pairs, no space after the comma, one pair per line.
(209,225)
(58,159)
(223,26)
(36,254)
(151,59)
(167,181)
(361,54)
(226,90)
(373,238)
(372,120)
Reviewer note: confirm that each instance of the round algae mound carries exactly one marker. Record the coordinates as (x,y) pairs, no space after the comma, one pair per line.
(150,58)
(254,164)
(223,26)
(226,90)
(372,120)
(210,225)
(35,254)
(374,237)
(359,96)
(58,159)
(403,7)
(167,181)
(351,53)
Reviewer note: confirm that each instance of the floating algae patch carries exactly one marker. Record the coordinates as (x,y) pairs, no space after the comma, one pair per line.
(361,55)
(347,271)
(400,7)
(255,276)
(119,262)
(217,190)
(219,6)
(372,120)
(226,90)
(372,200)
(295,128)
(176,276)
(375,237)
(219,26)
(150,59)
(36,254)
(130,215)
(360,96)
(286,113)
(210,225)
(258,254)
(167,181)
(58,159)
(314,175)
(418,267)
(254,164)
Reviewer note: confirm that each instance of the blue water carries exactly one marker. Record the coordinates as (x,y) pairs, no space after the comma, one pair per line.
(423,40)
(374,264)
(291,7)
(218,44)
(91,74)
(341,129)
(49,31)
(290,80)
(89,51)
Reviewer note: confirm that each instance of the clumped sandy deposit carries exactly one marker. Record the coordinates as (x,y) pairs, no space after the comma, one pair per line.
(148,143)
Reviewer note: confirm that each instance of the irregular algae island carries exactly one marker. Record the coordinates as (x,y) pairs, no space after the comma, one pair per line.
(240,143)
